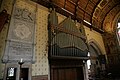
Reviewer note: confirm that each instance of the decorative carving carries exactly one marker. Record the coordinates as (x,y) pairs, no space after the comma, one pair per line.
(24,14)
(97,11)
(22,31)
(20,37)
(23,23)
(103,2)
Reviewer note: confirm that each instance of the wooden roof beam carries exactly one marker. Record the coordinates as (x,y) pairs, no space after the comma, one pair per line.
(64,12)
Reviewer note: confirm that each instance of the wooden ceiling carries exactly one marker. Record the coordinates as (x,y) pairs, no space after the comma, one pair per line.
(92,11)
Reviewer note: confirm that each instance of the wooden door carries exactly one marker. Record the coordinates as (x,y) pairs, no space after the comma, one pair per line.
(73,73)
(24,73)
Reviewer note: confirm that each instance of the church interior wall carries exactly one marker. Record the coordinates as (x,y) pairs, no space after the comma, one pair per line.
(41,66)
(96,38)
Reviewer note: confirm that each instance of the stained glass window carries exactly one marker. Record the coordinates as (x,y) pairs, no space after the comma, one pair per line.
(118,32)
(118,29)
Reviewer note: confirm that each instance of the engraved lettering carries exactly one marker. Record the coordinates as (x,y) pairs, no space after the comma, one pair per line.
(20,49)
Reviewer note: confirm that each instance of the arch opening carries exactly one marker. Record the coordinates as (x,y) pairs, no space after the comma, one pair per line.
(93,63)
(118,31)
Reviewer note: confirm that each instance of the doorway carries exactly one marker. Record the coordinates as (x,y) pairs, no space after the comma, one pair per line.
(24,73)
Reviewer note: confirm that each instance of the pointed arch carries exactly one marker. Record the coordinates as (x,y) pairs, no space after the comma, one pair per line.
(93,43)
(94,62)
(115,26)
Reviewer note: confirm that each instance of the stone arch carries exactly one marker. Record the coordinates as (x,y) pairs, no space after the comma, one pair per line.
(115,21)
(95,45)
(114,26)
(94,63)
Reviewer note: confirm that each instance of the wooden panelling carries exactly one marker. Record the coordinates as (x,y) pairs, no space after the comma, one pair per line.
(75,73)
(87,17)
(73,1)
(44,77)
(82,4)
(59,2)
(90,7)
(69,5)
(80,13)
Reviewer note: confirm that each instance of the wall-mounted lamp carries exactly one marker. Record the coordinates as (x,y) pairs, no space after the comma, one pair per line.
(20,63)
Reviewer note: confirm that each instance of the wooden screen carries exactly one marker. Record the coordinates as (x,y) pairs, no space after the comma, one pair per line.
(73,73)
(66,70)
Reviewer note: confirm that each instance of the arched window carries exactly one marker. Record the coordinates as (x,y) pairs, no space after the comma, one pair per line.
(118,29)
(118,32)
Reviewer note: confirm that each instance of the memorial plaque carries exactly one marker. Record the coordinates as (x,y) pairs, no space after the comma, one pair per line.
(22,25)
(22,31)
(20,41)
(19,48)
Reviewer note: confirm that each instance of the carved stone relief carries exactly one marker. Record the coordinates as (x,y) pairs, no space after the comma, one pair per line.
(20,41)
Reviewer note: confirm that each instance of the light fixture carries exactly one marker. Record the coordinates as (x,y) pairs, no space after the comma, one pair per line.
(20,63)
(87,22)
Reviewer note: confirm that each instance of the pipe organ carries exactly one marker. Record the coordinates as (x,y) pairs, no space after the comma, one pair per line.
(65,39)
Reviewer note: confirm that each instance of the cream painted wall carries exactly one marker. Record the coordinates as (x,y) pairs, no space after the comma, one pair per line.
(95,36)
(41,65)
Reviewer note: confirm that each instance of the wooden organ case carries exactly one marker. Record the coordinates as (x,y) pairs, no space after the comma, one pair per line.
(67,49)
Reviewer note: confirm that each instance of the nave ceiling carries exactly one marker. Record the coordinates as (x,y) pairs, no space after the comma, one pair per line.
(99,13)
